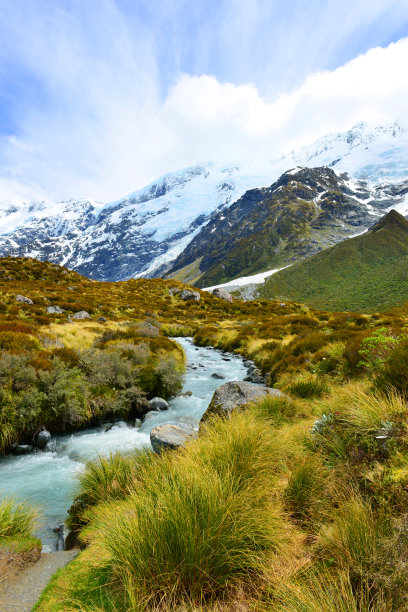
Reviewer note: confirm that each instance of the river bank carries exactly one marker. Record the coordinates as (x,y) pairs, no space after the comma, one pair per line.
(47,478)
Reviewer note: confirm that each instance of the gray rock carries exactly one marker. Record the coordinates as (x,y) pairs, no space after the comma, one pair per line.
(158,403)
(42,439)
(234,394)
(216,375)
(187,295)
(101,320)
(137,423)
(21,449)
(223,294)
(82,314)
(54,310)
(186,394)
(170,436)
(248,363)
(24,300)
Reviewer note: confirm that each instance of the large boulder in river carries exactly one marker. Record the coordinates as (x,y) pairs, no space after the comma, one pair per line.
(42,439)
(223,294)
(158,403)
(170,437)
(237,393)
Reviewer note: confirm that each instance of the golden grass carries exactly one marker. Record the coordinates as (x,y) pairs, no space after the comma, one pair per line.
(77,335)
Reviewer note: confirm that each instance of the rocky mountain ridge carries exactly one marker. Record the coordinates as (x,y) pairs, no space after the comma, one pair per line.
(303,212)
(145,233)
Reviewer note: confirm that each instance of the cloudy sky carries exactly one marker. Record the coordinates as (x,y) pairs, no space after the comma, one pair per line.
(100,97)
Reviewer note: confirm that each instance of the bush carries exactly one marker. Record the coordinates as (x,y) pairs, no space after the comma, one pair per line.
(394,371)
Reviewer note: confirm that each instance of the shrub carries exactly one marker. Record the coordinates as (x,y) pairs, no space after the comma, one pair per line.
(18,342)
(169,377)
(394,371)
(309,344)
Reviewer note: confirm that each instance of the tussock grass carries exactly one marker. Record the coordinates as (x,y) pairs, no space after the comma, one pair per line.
(307,494)
(353,538)
(199,520)
(17,520)
(78,335)
(279,410)
(110,478)
(323,592)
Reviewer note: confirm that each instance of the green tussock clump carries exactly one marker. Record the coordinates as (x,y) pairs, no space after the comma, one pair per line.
(201,520)
(17,524)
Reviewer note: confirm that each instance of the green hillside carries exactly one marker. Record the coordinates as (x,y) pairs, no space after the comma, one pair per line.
(368,272)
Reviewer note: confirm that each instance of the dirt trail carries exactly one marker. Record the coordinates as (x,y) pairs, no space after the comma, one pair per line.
(20,592)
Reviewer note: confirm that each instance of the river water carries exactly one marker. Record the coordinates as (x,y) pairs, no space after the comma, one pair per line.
(47,478)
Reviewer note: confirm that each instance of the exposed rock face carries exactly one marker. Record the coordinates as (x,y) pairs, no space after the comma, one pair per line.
(82,314)
(158,403)
(143,233)
(223,294)
(304,211)
(24,300)
(234,394)
(170,436)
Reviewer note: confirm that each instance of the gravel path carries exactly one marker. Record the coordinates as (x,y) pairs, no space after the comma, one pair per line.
(22,592)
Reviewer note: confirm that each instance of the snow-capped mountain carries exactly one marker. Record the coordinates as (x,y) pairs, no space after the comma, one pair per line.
(143,233)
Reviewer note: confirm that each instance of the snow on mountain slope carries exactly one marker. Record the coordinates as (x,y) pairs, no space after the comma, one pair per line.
(134,236)
(143,233)
(377,154)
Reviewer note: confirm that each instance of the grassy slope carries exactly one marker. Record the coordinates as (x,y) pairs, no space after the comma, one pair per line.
(364,273)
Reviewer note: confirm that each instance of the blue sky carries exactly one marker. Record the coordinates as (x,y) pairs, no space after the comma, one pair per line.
(97,98)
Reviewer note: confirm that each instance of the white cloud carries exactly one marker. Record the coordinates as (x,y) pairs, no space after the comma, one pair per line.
(104,130)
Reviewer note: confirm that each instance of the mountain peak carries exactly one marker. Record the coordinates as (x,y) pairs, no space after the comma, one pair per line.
(391,219)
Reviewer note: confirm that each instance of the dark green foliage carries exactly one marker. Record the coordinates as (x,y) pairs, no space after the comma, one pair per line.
(364,273)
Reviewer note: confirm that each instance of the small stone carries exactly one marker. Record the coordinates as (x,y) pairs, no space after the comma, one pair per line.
(101,320)
(216,375)
(54,310)
(82,314)
(223,294)
(187,295)
(24,300)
